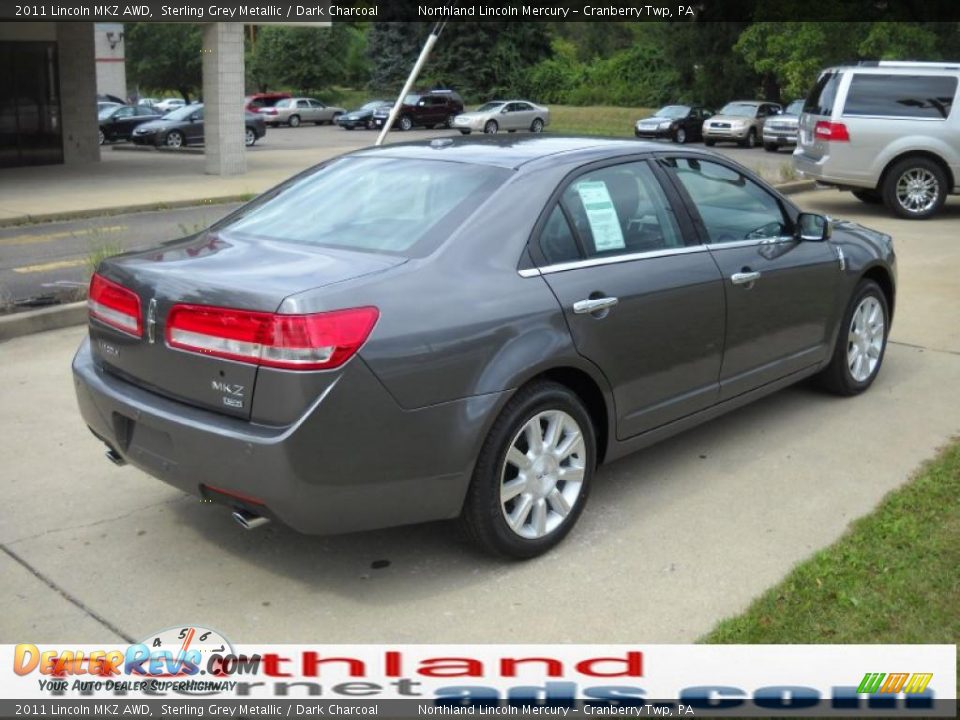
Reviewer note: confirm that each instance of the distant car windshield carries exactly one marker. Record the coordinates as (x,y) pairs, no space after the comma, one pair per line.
(182,113)
(739,110)
(391,205)
(794,108)
(488,107)
(411,99)
(373,104)
(672,111)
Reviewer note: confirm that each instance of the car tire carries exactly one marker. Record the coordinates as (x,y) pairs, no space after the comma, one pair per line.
(915,188)
(294,121)
(101,137)
(406,123)
(750,141)
(680,136)
(370,125)
(333,120)
(537,126)
(249,137)
(174,139)
(708,142)
(450,119)
(464,132)
(870,197)
(345,127)
(491,127)
(859,336)
(770,147)
(543,507)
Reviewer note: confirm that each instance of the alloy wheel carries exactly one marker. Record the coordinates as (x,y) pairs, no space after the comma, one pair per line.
(865,339)
(249,138)
(542,474)
(174,139)
(490,128)
(537,126)
(681,136)
(917,190)
(294,121)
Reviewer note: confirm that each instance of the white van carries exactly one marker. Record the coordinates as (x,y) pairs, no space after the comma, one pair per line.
(887,131)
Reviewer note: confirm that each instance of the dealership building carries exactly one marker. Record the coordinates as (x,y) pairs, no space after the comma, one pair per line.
(48,89)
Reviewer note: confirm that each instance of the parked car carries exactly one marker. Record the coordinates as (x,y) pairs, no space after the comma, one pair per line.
(118,123)
(427,109)
(509,115)
(168,104)
(106,105)
(680,123)
(382,340)
(258,101)
(293,111)
(363,115)
(740,122)
(185,127)
(148,101)
(781,130)
(885,131)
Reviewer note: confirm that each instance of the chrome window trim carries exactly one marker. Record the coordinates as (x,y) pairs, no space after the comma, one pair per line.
(597,262)
(753,241)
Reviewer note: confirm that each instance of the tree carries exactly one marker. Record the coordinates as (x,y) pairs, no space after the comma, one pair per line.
(304,59)
(161,56)
(392,48)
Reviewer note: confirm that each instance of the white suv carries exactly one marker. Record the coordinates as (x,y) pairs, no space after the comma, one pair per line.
(885,131)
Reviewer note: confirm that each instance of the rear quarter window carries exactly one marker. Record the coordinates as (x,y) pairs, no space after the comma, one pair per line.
(823,95)
(911,96)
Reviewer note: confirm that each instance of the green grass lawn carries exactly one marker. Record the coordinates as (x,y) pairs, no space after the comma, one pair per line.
(596,120)
(893,578)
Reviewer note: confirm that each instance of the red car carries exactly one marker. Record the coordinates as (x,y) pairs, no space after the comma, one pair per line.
(253,103)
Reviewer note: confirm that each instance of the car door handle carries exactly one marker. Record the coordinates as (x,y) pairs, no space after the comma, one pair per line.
(584,307)
(745,278)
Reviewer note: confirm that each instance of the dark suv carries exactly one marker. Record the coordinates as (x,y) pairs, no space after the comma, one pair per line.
(427,109)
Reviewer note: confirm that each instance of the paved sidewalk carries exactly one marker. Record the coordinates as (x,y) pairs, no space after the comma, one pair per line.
(147,179)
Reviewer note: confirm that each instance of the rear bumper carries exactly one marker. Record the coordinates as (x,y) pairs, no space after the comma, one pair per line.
(832,168)
(354,461)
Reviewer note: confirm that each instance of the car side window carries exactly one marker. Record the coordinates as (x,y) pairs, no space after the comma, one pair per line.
(732,206)
(620,210)
(302,104)
(557,240)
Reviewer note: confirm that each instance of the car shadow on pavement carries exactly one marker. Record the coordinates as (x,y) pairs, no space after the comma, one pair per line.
(384,567)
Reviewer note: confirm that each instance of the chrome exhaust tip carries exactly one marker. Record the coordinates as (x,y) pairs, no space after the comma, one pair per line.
(115,457)
(249,521)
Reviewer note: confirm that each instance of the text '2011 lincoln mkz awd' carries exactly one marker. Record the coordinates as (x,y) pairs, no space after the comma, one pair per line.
(467,329)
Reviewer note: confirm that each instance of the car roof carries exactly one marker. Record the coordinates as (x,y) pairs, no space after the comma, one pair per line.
(509,152)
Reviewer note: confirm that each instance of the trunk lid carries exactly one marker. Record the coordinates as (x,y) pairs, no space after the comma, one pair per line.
(216,270)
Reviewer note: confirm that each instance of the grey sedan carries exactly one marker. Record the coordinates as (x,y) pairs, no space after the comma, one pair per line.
(296,111)
(391,337)
(509,115)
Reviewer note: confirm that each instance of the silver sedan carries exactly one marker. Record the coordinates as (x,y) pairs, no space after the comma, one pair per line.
(293,111)
(509,115)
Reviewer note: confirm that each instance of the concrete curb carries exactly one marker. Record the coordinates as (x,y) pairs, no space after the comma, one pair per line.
(122,210)
(795,186)
(49,318)
(61,316)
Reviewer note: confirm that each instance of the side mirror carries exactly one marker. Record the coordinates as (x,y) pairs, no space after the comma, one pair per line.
(813,227)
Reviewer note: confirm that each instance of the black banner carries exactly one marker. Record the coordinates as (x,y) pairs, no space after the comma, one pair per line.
(304,11)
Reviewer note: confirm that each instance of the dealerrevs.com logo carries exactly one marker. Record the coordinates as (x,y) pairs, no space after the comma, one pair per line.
(156,663)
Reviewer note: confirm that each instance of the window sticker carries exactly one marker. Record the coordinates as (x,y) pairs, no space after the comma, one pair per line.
(602,216)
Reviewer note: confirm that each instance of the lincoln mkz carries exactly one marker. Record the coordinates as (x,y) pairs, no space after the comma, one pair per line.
(467,329)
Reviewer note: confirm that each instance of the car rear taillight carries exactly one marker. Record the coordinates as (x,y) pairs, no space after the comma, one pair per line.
(294,342)
(268,111)
(114,305)
(825,130)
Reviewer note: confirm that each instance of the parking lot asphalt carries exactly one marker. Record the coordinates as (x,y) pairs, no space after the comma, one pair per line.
(673,539)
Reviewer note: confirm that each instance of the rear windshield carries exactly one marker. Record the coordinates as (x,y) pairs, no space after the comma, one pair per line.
(397,206)
(913,96)
(821,97)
